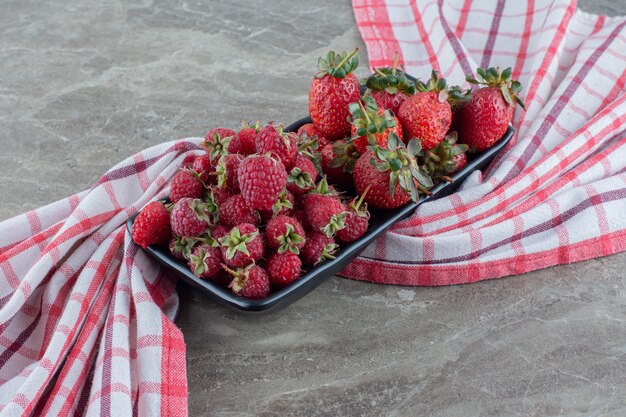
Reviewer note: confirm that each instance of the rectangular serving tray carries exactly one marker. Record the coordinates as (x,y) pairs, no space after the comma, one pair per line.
(380,222)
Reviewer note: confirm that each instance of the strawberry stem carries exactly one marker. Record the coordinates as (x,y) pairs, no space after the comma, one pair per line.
(343,61)
(395,64)
(360,201)
(364,112)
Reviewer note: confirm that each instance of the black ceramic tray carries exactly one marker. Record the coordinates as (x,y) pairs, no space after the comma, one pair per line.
(381,221)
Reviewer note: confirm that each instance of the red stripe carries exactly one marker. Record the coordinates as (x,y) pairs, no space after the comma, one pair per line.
(520,61)
(491,40)
(432,58)
(465,10)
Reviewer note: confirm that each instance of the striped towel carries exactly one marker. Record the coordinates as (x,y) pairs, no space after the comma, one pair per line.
(557,194)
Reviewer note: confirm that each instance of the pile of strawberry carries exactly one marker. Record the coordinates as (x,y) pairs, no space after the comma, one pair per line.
(262,204)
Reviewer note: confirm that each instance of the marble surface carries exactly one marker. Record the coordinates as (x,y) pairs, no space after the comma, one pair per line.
(84,84)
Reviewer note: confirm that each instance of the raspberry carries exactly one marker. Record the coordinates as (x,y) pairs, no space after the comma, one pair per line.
(190,217)
(310,131)
(285,234)
(273,140)
(244,141)
(318,248)
(181,247)
(203,168)
(302,176)
(216,142)
(152,225)
(226,172)
(235,210)
(261,179)
(325,210)
(250,282)
(186,184)
(283,268)
(242,245)
(205,261)
(356,221)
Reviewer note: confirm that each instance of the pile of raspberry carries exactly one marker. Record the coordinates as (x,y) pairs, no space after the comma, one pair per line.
(258,208)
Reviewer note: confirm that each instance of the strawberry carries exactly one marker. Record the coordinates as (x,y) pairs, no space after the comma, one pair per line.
(283,268)
(182,247)
(284,234)
(332,90)
(283,206)
(486,117)
(235,210)
(261,179)
(275,141)
(242,245)
(371,126)
(205,261)
(301,178)
(427,115)
(249,282)
(392,175)
(190,217)
(216,142)
(244,141)
(152,225)
(357,220)
(186,184)
(445,159)
(309,131)
(226,172)
(390,87)
(203,168)
(318,248)
(338,160)
(324,209)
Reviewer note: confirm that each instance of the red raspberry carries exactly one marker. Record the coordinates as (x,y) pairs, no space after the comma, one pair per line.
(283,268)
(219,231)
(318,248)
(182,247)
(356,221)
(324,209)
(285,234)
(283,206)
(250,282)
(226,171)
(302,176)
(216,142)
(261,179)
(300,216)
(273,140)
(190,217)
(205,261)
(219,195)
(338,161)
(186,184)
(310,131)
(152,225)
(244,141)
(235,210)
(203,168)
(242,245)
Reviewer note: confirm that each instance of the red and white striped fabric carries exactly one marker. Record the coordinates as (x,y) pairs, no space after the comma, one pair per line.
(557,194)
(85,316)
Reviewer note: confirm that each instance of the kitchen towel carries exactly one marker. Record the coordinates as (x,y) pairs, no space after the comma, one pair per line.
(557,194)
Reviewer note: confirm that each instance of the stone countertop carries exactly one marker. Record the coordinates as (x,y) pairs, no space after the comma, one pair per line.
(85,84)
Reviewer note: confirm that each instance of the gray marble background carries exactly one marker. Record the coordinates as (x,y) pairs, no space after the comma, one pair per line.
(84,84)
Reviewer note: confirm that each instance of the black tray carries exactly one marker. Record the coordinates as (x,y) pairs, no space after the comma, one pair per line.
(381,221)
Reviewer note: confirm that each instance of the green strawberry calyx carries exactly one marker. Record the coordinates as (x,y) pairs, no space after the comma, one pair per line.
(237,242)
(439,162)
(344,156)
(391,80)
(434,85)
(493,77)
(401,163)
(338,65)
(367,119)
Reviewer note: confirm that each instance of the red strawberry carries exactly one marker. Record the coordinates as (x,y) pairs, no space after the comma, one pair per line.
(392,175)
(283,268)
(235,210)
(205,261)
(249,282)
(446,159)
(338,160)
(226,172)
(244,141)
(182,247)
(242,245)
(318,248)
(203,168)
(216,142)
(275,141)
(190,217)
(301,178)
(283,206)
(332,90)
(427,115)
(309,131)
(486,117)
(152,225)
(261,179)
(285,233)
(324,209)
(371,126)
(390,87)
(356,221)
(186,184)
